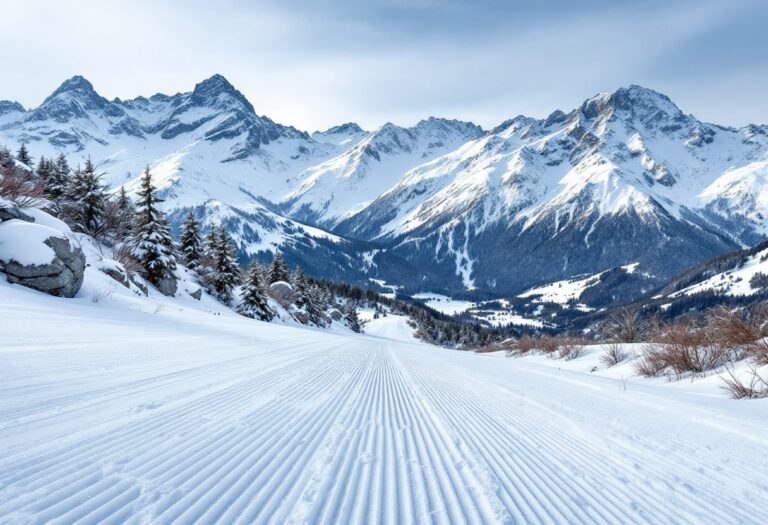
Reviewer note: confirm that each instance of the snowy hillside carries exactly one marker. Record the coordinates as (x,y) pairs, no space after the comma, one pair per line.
(346,184)
(118,413)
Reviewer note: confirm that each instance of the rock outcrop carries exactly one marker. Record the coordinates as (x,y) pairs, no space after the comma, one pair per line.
(38,256)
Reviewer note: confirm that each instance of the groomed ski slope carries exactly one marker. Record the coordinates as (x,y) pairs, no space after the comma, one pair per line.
(121,416)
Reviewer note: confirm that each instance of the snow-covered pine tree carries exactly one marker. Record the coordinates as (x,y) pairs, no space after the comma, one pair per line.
(190,242)
(314,306)
(300,287)
(151,241)
(59,179)
(86,201)
(123,215)
(351,317)
(44,171)
(23,155)
(225,273)
(278,271)
(254,300)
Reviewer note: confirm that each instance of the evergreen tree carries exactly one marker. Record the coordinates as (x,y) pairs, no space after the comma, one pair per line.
(278,271)
(23,155)
(58,179)
(190,242)
(44,171)
(254,301)
(350,316)
(314,306)
(225,272)
(86,201)
(300,287)
(123,215)
(151,240)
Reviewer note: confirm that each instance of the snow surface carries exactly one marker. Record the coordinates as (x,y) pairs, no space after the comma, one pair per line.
(135,410)
(22,242)
(443,303)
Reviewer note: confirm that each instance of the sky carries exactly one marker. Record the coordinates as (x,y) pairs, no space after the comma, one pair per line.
(314,64)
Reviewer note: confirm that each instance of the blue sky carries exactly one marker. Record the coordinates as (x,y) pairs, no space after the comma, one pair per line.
(314,64)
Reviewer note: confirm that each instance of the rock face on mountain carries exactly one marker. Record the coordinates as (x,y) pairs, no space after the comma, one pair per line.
(37,256)
(625,178)
(345,184)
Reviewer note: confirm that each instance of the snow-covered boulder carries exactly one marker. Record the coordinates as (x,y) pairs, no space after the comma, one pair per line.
(335,314)
(40,257)
(282,292)
(9,210)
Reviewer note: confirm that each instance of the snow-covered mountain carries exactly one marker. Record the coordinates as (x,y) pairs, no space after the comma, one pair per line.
(371,165)
(626,177)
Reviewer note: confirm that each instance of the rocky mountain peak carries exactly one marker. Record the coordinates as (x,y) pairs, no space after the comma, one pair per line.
(217,90)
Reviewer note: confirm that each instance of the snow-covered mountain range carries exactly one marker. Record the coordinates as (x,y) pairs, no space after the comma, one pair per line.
(625,178)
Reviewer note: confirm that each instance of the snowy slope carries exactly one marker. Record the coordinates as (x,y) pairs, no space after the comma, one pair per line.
(346,184)
(117,415)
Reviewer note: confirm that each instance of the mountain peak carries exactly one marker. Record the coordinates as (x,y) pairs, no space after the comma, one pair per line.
(348,128)
(637,102)
(76,84)
(210,90)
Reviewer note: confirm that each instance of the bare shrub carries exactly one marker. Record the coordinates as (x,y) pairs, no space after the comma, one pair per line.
(626,326)
(758,351)
(122,254)
(683,348)
(613,354)
(547,344)
(652,361)
(727,328)
(21,186)
(756,388)
(524,345)
(570,347)
(102,294)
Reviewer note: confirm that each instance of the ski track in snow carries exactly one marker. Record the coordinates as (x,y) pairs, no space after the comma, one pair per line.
(306,427)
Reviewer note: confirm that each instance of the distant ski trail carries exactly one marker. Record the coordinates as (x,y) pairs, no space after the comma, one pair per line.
(341,429)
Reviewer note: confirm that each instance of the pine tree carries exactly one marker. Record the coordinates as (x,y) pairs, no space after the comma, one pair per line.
(151,240)
(86,201)
(44,171)
(58,180)
(300,287)
(225,273)
(314,306)
(124,214)
(23,155)
(351,317)
(278,271)
(190,242)
(254,301)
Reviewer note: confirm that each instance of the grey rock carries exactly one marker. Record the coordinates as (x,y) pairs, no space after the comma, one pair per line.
(62,277)
(197,294)
(167,285)
(118,275)
(281,292)
(335,314)
(9,210)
